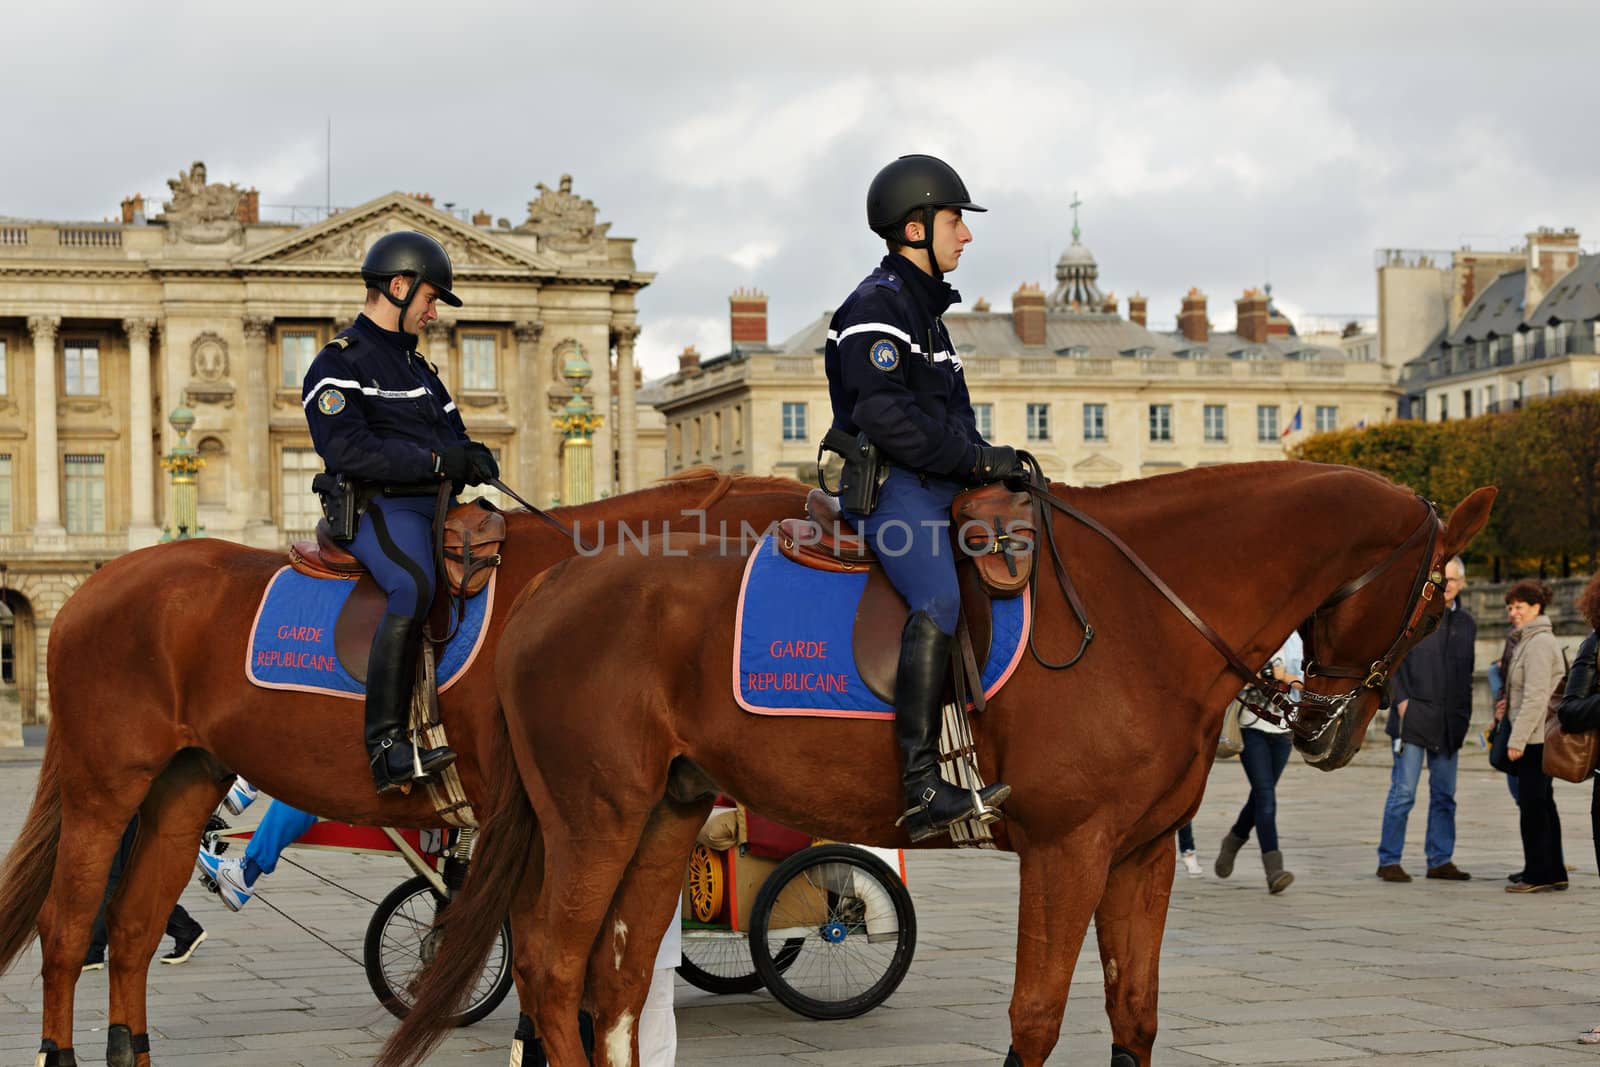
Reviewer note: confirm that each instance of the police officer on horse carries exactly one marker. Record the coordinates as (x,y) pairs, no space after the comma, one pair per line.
(389,435)
(894,378)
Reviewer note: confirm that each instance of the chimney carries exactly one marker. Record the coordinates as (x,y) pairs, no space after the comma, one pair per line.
(482,218)
(688,363)
(1136,310)
(249,209)
(133,210)
(1192,322)
(747,313)
(981,304)
(1109,305)
(1028,313)
(1252,311)
(426,198)
(1550,256)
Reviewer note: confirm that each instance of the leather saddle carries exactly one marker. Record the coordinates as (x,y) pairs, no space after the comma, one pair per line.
(473,535)
(825,540)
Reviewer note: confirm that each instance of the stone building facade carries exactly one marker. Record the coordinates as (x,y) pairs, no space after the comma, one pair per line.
(106,327)
(1096,395)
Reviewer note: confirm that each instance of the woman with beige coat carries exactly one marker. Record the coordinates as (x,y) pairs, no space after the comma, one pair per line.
(1535,668)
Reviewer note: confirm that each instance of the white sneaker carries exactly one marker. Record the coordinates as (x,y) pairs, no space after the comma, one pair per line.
(1191,864)
(241,796)
(229,876)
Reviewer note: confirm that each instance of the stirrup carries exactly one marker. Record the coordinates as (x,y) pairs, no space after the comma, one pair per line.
(383,779)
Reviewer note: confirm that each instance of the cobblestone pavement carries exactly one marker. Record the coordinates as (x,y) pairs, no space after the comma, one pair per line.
(1340,969)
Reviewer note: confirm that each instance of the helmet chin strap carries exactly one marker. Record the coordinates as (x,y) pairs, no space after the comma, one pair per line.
(403,305)
(928,215)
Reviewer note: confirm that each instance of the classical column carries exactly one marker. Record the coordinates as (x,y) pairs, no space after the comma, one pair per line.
(534,443)
(627,416)
(256,447)
(436,346)
(141,428)
(46,466)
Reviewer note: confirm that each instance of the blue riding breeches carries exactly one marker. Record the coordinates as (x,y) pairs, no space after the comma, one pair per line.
(395,541)
(910,532)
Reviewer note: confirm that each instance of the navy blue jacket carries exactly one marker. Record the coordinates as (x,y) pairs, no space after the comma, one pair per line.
(377,410)
(1436,678)
(1580,707)
(893,373)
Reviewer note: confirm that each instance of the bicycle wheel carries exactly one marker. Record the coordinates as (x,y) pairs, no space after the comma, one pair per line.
(401,941)
(718,961)
(845,923)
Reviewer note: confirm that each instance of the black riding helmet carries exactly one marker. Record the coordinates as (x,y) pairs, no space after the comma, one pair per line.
(415,255)
(911,183)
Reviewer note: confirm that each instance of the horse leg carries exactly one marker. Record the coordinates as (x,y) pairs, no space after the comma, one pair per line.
(1129,923)
(170,821)
(644,904)
(585,860)
(1061,883)
(526,1048)
(94,816)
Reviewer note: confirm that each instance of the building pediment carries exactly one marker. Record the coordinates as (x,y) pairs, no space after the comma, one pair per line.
(1097,463)
(343,239)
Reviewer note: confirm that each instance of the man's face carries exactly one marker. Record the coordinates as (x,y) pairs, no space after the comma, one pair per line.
(950,238)
(1454,581)
(423,309)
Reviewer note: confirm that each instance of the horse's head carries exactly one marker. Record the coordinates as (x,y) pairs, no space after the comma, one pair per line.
(1364,629)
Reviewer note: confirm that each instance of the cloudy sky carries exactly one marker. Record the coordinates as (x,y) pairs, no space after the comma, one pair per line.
(1213,145)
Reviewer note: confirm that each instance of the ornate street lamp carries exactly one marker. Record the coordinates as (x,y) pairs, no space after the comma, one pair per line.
(184,462)
(577,423)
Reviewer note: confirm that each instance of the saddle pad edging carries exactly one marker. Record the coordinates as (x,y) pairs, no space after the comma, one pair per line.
(1016,655)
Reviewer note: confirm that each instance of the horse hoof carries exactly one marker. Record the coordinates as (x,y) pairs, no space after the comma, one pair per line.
(1012,1059)
(1121,1057)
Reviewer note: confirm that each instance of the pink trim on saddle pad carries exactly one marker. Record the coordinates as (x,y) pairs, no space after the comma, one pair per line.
(840,713)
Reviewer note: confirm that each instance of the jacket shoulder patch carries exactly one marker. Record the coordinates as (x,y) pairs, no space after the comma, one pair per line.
(890,282)
(339,342)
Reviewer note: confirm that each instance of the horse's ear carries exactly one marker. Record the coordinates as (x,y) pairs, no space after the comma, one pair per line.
(1468,518)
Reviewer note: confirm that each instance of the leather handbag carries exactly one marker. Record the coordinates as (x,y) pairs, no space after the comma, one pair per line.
(1231,741)
(1570,757)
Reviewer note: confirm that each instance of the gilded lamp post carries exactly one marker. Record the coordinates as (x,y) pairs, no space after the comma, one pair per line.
(184,462)
(577,422)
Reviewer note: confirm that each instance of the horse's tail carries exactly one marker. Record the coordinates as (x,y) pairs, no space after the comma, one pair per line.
(25,881)
(474,917)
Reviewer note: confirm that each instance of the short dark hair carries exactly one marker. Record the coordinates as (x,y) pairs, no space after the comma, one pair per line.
(1530,591)
(1589,602)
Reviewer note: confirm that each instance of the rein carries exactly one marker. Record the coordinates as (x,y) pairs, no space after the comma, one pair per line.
(1272,698)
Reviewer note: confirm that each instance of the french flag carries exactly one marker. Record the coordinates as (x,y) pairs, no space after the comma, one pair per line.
(1294,424)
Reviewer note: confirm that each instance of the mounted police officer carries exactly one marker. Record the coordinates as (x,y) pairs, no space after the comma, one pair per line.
(894,377)
(387,430)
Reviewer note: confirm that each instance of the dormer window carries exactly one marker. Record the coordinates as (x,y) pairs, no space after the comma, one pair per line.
(1074,351)
(1248,353)
(1141,352)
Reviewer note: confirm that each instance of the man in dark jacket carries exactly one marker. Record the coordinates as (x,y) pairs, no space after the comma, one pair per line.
(1430,708)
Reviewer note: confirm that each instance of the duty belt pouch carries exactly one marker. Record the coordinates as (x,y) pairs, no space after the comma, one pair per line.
(862,475)
(338,504)
(995,528)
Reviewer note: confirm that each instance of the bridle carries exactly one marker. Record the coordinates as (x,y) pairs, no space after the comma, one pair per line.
(1270,698)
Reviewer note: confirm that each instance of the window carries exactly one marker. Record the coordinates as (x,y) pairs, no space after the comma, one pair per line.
(1160,422)
(82,360)
(794,421)
(1094,422)
(478,363)
(86,493)
(1327,418)
(1216,422)
(1444,407)
(297,349)
(1267,422)
(983,415)
(1466,403)
(1038,422)
(4,388)
(1489,398)
(1549,385)
(301,509)
(1520,393)
(6,493)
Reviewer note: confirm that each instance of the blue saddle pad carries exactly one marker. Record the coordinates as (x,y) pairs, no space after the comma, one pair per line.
(794,651)
(291,643)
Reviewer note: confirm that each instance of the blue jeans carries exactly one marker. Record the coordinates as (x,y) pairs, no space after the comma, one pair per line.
(1440,843)
(1186,831)
(1264,757)
(280,827)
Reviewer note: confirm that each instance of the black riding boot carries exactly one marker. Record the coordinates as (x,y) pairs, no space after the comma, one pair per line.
(932,804)
(391,670)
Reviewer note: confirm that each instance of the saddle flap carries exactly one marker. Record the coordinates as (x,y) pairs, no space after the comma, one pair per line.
(997,532)
(881,617)
(473,535)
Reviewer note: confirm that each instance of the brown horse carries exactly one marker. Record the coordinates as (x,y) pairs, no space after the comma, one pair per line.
(151,714)
(614,715)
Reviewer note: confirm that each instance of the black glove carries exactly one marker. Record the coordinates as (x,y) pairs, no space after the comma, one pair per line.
(996,463)
(482,467)
(455,463)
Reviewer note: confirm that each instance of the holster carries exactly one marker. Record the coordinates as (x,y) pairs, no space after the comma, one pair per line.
(863,472)
(339,504)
